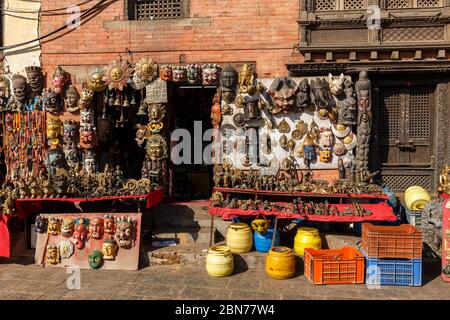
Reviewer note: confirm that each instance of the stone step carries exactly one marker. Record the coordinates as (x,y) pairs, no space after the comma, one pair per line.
(182,235)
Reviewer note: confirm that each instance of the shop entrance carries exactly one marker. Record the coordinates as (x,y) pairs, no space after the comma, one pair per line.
(406,117)
(190,104)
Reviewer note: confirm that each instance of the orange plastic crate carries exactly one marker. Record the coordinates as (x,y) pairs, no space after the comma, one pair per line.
(397,242)
(341,266)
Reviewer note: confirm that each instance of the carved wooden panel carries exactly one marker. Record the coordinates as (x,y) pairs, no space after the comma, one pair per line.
(428,3)
(338,36)
(395,4)
(325,5)
(413,34)
(354,4)
(400,182)
(388,124)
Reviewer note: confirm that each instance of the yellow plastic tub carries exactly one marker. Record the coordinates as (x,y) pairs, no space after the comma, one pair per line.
(219,261)
(280,263)
(239,238)
(416,198)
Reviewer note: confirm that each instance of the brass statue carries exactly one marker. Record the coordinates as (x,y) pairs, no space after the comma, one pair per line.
(444,180)
(246,77)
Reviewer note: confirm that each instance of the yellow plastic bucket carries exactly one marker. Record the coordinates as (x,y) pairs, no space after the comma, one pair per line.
(239,238)
(280,263)
(416,198)
(219,261)
(307,237)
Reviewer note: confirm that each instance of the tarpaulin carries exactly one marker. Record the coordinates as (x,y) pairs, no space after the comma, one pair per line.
(4,237)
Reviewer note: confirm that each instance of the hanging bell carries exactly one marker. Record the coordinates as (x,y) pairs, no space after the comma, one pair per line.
(103,113)
(117,102)
(111,100)
(126,104)
(142,110)
(133,102)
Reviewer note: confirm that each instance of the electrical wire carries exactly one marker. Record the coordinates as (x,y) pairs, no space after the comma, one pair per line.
(16,10)
(85,14)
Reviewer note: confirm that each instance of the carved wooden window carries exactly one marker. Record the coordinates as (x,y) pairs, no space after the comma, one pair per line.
(400,4)
(331,5)
(157,9)
(405,136)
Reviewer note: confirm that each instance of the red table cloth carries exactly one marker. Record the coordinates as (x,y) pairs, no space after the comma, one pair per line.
(380,212)
(4,237)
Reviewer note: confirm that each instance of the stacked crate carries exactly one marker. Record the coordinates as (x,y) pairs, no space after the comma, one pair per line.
(393,255)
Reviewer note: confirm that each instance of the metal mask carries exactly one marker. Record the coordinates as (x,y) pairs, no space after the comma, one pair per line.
(66,249)
(95,81)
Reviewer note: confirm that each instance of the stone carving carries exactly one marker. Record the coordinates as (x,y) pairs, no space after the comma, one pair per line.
(364,124)
(283,92)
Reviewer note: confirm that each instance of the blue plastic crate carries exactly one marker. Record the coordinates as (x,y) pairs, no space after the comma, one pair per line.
(393,272)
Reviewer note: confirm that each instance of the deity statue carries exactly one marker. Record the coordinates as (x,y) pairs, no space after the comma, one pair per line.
(347,108)
(303,96)
(228,81)
(246,78)
(444,180)
(156,150)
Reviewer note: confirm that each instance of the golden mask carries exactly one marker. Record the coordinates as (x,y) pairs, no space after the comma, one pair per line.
(95,81)
(54,226)
(52,255)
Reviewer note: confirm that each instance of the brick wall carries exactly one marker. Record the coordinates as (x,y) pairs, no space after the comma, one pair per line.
(261,31)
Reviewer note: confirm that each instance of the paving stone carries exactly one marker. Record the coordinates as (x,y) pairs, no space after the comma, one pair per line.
(254,295)
(109,287)
(24,296)
(236,283)
(174,279)
(288,296)
(205,281)
(200,293)
(157,290)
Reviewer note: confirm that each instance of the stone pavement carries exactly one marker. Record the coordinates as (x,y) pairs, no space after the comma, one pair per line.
(28,281)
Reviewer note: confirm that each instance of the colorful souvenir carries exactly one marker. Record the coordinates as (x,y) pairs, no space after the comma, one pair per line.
(40,225)
(179,74)
(35,79)
(89,163)
(325,155)
(95,81)
(66,249)
(95,259)
(308,150)
(109,249)
(52,255)
(67,228)
(96,227)
(165,73)
(326,138)
(194,74)
(339,149)
(4,92)
(283,92)
(246,78)
(81,233)
(110,224)
(54,158)
(20,88)
(210,74)
(60,79)
(87,139)
(156,113)
(53,226)
(340,130)
(216,114)
(125,232)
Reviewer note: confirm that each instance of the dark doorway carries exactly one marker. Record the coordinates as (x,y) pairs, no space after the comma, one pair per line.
(191,104)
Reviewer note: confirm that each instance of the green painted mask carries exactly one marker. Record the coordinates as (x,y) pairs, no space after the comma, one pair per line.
(95,259)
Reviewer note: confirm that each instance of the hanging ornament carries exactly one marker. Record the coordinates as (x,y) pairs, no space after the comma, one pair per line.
(95,81)
(126,104)
(146,69)
(117,74)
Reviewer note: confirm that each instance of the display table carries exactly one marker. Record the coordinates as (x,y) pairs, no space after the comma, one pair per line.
(26,207)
